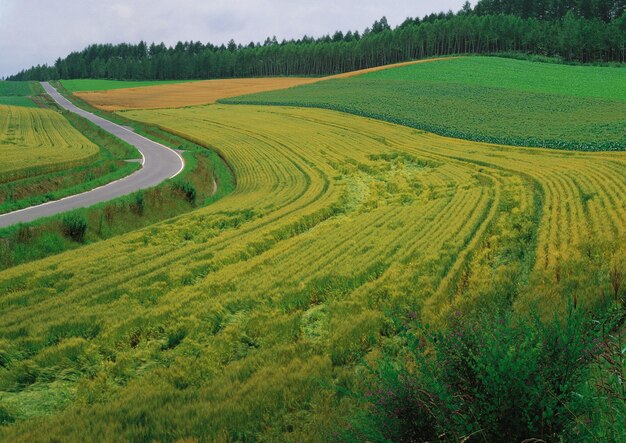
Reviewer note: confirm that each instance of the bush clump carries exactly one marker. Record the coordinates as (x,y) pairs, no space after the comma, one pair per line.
(75,227)
(188,190)
(497,378)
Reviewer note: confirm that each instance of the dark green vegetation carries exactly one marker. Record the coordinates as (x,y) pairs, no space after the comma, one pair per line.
(483,99)
(105,85)
(605,10)
(495,374)
(111,164)
(575,30)
(19,93)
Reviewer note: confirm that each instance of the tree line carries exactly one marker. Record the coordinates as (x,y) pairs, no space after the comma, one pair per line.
(575,30)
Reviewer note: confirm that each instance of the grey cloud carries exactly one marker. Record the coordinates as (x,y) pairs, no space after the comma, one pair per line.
(39,31)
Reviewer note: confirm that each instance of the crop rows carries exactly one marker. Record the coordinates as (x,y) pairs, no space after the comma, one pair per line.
(239,315)
(37,141)
(503,101)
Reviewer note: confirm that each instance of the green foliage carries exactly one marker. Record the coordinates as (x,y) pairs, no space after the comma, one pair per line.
(503,101)
(5,416)
(188,189)
(75,226)
(494,376)
(138,205)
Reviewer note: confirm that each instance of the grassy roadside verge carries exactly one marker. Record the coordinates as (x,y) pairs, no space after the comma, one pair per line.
(206,178)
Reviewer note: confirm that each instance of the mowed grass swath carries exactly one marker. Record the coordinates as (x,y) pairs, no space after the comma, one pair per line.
(237,320)
(502,101)
(37,141)
(184,94)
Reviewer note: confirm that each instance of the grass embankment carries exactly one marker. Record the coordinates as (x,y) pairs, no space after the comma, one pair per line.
(250,319)
(483,99)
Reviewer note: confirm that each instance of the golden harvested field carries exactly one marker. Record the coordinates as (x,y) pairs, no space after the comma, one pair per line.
(36,141)
(278,289)
(205,92)
(185,94)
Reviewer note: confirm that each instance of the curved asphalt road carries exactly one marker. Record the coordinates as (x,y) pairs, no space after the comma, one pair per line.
(159,163)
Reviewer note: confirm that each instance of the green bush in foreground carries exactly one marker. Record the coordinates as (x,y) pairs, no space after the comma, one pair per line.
(75,226)
(501,378)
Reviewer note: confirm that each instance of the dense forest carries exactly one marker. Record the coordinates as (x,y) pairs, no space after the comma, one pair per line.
(574,30)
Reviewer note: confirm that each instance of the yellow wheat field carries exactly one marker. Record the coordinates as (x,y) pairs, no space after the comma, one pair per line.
(282,285)
(35,141)
(204,92)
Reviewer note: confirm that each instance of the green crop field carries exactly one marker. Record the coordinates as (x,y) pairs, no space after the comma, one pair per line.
(37,141)
(483,99)
(13,100)
(105,85)
(19,88)
(251,318)
(17,93)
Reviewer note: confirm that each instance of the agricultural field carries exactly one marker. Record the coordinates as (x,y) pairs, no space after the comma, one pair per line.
(482,99)
(17,101)
(82,85)
(38,141)
(249,319)
(111,95)
(184,94)
(19,88)
(18,93)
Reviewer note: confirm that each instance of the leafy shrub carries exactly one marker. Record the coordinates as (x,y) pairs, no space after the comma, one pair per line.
(188,190)
(495,378)
(138,206)
(75,227)
(5,416)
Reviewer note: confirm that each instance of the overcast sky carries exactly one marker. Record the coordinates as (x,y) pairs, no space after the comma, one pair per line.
(40,31)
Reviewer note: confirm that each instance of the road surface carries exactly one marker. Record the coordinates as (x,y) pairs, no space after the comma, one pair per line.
(158,164)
